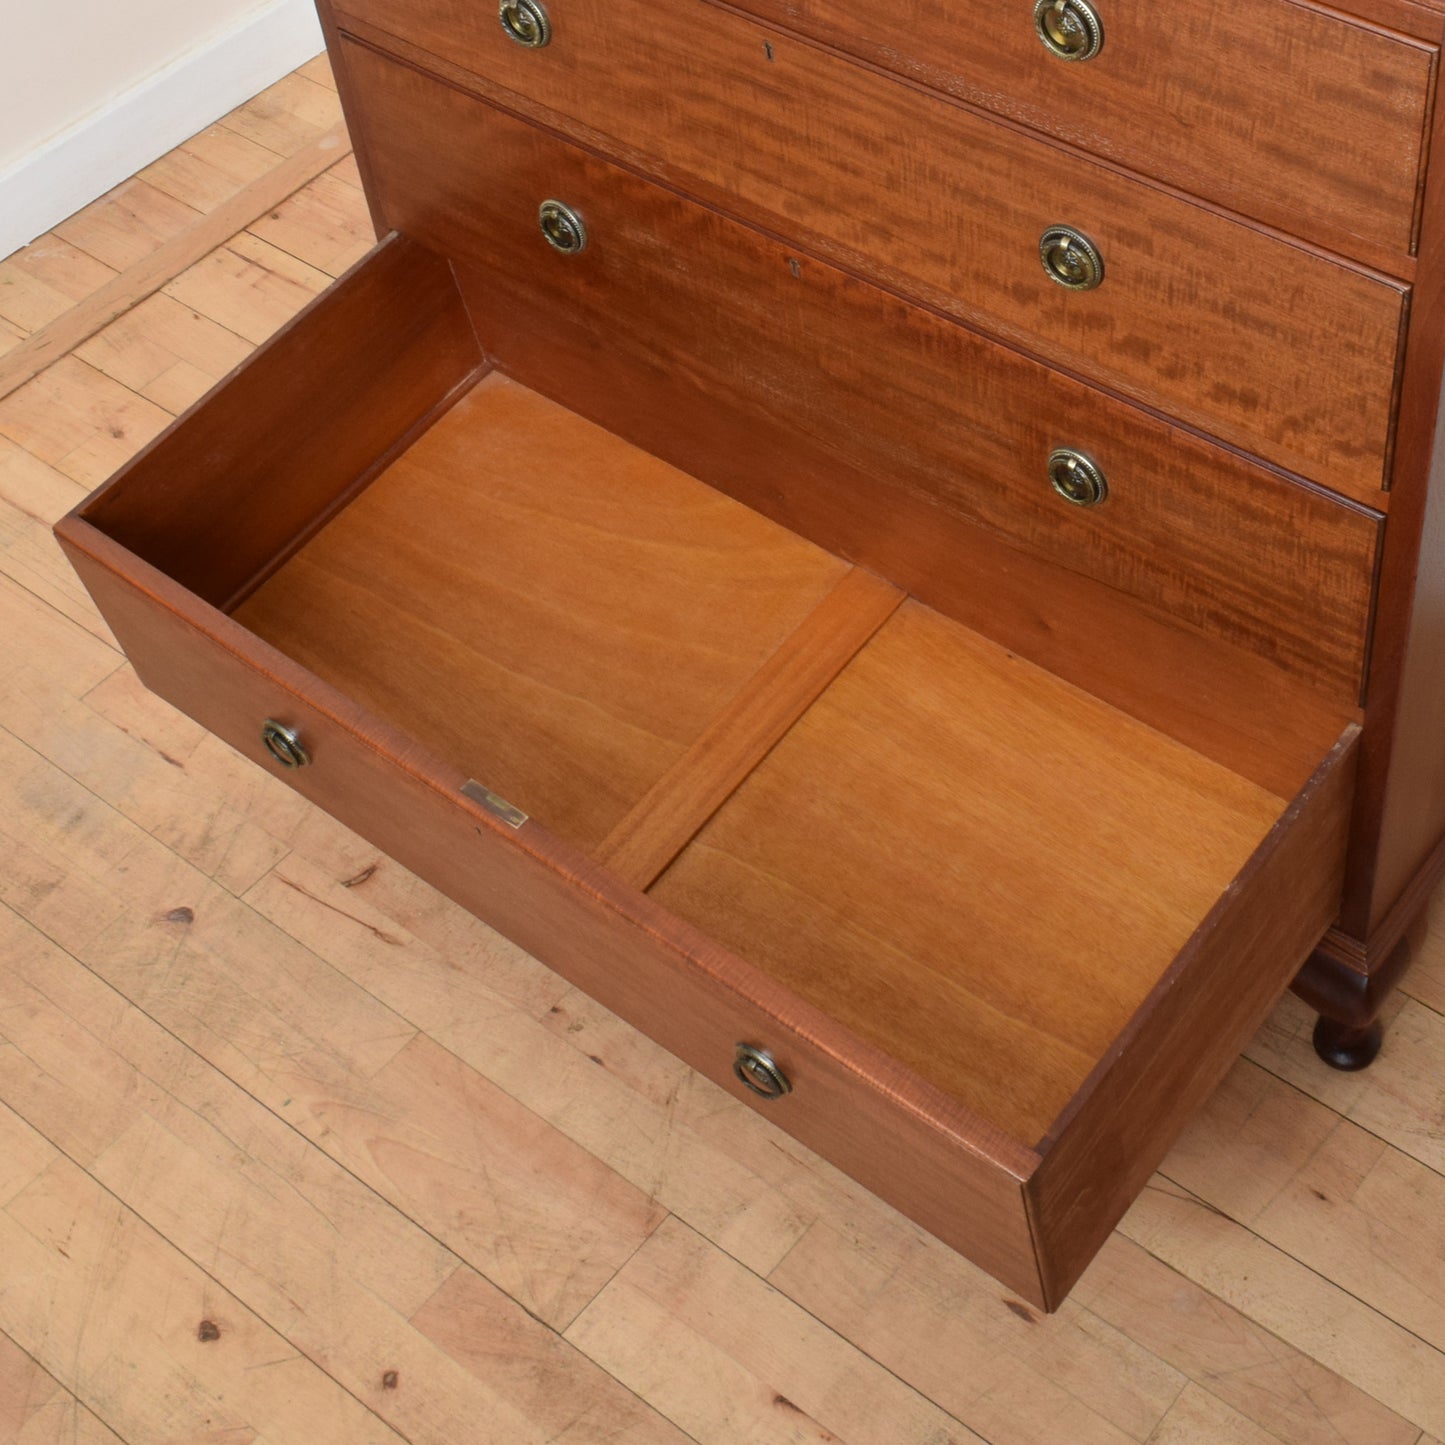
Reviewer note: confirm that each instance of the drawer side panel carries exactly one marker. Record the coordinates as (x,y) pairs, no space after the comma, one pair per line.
(1220,988)
(293,431)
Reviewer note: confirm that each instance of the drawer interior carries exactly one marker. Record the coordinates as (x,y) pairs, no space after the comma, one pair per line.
(554,612)
(1010,865)
(1042,921)
(572,623)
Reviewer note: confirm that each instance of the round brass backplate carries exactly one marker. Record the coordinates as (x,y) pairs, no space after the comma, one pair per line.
(1071,259)
(283,744)
(1077,478)
(1070,29)
(563,227)
(759,1071)
(526,22)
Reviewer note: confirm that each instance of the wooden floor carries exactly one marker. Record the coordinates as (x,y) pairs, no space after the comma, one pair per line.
(293,1151)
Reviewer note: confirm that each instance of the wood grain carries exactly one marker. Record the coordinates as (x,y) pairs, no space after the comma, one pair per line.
(413,1119)
(169,353)
(44,280)
(1010,867)
(1281,1386)
(759,1369)
(1400,816)
(993,1160)
(1309,1312)
(64,1238)
(1108,1364)
(658,826)
(148,272)
(695,302)
(249,286)
(591,610)
(319,224)
(555,1388)
(34,495)
(264,1222)
(1226,103)
(288,115)
(36,1410)
(570,1062)
(126,224)
(389,343)
(1008,1373)
(1292,354)
(1323,1190)
(1242,1321)
(80,421)
(1122,1121)
(1221,699)
(210,167)
(878,1121)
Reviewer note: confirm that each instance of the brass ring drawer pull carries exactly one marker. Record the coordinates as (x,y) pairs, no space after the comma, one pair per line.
(526,22)
(283,744)
(1070,29)
(1071,258)
(563,227)
(759,1071)
(1077,478)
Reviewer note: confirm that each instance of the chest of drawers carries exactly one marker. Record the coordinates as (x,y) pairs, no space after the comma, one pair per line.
(896,551)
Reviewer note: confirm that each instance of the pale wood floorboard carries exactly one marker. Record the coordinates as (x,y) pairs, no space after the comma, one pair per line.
(293,1149)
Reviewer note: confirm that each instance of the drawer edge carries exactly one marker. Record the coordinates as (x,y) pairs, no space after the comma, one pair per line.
(1120,1125)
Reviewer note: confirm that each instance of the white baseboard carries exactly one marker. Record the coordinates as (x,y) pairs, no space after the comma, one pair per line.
(143,123)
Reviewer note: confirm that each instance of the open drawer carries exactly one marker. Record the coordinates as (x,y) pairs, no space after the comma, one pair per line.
(982,939)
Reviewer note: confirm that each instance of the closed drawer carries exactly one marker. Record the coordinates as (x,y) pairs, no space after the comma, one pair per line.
(1295,115)
(1193,531)
(1269,345)
(1149,902)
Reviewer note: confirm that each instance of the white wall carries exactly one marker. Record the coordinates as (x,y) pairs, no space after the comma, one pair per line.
(95,89)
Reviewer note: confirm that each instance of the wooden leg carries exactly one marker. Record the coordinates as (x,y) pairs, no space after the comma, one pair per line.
(1348,989)
(1345,1048)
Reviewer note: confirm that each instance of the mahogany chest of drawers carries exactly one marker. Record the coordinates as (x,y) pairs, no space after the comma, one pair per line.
(898,548)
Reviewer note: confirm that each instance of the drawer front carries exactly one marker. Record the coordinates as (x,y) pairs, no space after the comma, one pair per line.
(666,979)
(1230,102)
(1192,530)
(1269,345)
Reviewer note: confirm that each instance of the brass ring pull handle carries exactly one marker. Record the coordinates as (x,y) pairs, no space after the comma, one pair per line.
(526,22)
(563,227)
(759,1071)
(283,744)
(1070,29)
(1071,259)
(1077,478)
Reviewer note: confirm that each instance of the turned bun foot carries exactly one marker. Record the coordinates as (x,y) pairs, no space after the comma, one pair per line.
(1345,1048)
(1348,994)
